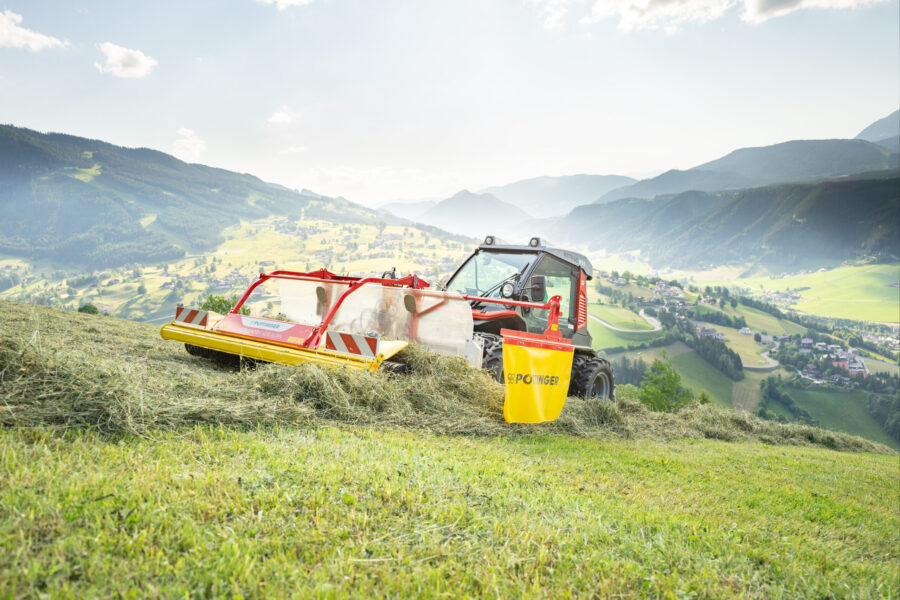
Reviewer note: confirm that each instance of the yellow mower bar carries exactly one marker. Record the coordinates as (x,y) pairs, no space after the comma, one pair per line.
(273,352)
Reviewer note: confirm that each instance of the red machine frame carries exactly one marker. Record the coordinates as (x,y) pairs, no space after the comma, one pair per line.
(413,282)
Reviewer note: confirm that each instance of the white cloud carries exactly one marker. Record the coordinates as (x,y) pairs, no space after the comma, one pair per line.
(670,15)
(757,11)
(284,115)
(189,146)
(285,4)
(12,35)
(124,62)
(553,12)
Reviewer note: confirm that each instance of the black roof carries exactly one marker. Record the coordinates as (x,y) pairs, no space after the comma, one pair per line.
(573,258)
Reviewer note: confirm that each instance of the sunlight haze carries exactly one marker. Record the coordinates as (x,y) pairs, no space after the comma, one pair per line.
(388,100)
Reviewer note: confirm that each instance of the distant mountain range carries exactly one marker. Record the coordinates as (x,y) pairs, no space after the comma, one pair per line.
(556,196)
(788,224)
(90,204)
(474,215)
(538,197)
(794,161)
(409,210)
(884,132)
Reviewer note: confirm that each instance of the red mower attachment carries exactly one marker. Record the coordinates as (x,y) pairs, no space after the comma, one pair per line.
(362,322)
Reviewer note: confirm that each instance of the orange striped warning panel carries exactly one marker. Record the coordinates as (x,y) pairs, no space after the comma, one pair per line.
(191,316)
(351,343)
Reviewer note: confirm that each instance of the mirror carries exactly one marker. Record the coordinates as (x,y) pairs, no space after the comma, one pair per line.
(538,288)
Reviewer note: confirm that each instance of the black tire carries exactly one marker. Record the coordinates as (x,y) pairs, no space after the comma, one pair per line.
(592,378)
(492,358)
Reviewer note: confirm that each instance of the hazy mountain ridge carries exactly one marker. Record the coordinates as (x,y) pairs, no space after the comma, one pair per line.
(884,132)
(825,222)
(89,203)
(474,214)
(556,196)
(788,162)
(408,210)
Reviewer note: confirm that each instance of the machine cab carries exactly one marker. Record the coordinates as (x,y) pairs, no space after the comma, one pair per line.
(529,273)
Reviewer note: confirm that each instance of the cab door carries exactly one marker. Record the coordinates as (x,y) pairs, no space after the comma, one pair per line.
(560,280)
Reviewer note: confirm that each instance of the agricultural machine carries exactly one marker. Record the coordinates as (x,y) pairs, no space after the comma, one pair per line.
(518,311)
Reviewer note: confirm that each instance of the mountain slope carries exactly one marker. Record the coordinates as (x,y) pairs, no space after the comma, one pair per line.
(408,210)
(474,214)
(676,181)
(91,204)
(822,223)
(882,129)
(794,161)
(556,196)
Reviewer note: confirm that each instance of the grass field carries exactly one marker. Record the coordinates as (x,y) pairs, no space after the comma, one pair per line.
(861,292)
(763,322)
(619,317)
(842,411)
(332,512)
(744,345)
(756,319)
(603,337)
(697,374)
(132,469)
(879,366)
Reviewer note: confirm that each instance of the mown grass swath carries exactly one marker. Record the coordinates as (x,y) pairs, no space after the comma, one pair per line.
(130,469)
(70,370)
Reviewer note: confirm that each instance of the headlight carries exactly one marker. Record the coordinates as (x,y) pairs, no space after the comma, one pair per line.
(507,290)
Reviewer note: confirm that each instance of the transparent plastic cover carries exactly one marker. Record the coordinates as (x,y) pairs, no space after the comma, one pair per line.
(440,321)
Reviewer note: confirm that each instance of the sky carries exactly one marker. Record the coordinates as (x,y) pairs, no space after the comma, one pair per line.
(383,100)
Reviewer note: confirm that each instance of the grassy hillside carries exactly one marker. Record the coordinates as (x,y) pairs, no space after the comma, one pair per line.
(604,338)
(247,249)
(859,292)
(330,512)
(841,410)
(133,469)
(87,204)
(619,317)
(697,375)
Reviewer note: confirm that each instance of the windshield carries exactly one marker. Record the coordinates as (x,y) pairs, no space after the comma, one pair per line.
(486,272)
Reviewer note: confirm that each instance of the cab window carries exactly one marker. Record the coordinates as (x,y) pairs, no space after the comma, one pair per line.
(560,282)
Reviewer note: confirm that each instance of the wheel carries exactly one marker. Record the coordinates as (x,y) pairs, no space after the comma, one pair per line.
(492,358)
(592,378)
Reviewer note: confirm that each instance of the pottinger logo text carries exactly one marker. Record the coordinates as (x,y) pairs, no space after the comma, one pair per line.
(529,379)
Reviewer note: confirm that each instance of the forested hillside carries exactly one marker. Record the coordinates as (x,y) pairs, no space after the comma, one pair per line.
(89,204)
(824,223)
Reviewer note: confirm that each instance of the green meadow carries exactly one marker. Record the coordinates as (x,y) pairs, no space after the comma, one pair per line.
(332,512)
(842,410)
(619,317)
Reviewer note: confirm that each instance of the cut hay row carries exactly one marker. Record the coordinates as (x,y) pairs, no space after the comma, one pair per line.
(67,370)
